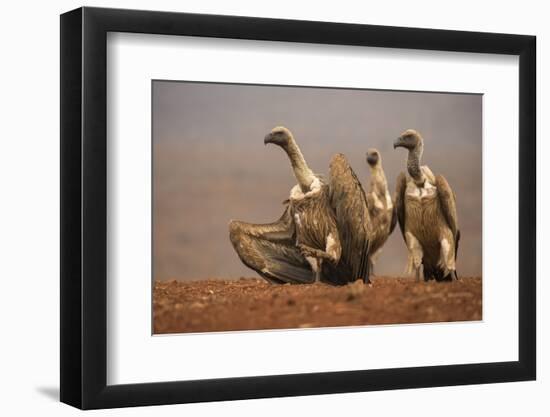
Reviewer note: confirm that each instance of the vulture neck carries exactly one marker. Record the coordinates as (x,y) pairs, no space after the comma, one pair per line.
(378,181)
(413,164)
(303,174)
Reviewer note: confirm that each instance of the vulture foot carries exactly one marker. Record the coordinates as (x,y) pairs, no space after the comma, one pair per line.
(451,276)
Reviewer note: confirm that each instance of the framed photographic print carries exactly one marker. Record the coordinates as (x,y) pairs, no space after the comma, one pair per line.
(256,207)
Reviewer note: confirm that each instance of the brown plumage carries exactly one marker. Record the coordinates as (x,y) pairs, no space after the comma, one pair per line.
(317,235)
(324,233)
(308,228)
(270,249)
(348,200)
(426,211)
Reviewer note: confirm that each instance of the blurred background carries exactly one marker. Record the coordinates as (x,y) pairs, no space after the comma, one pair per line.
(210,164)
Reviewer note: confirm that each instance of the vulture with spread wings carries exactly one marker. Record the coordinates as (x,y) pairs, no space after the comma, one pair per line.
(323,234)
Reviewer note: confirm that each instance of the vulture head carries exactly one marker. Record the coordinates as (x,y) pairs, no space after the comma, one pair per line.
(409,139)
(373,157)
(280,136)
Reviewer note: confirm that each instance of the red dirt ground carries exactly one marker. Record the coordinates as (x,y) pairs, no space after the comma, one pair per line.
(253,304)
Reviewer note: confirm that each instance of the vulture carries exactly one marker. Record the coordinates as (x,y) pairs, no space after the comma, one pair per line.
(321,236)
(382,213)
(426,211)
(308,226)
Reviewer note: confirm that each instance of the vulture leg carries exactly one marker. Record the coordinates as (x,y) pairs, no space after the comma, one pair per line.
(457,240)
(371,267)
(308,251)
(417,273)
(415,254)
(318,270)
(366,275)
(448,278)
(269,249)
(315,258)
(447,257)
(429,273)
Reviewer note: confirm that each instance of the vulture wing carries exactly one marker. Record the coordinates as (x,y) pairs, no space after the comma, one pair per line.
(348,200)
(447,202)
(284,263)
(280,230)
(270,249)
(400,201)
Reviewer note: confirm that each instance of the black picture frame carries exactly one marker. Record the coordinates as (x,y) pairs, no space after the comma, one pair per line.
(84,207)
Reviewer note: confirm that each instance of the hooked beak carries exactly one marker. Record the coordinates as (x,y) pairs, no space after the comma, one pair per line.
(268,139)
(397,143)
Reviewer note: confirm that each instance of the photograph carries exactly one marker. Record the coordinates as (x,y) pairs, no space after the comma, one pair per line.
(246,198)
(293,207)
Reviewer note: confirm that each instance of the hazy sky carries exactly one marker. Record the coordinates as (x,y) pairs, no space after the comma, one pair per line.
(210,163)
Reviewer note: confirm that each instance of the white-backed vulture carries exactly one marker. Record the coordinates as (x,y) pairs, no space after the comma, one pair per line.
(308,227)
(426,211)
(327,223)
(317,235)
(381,209)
